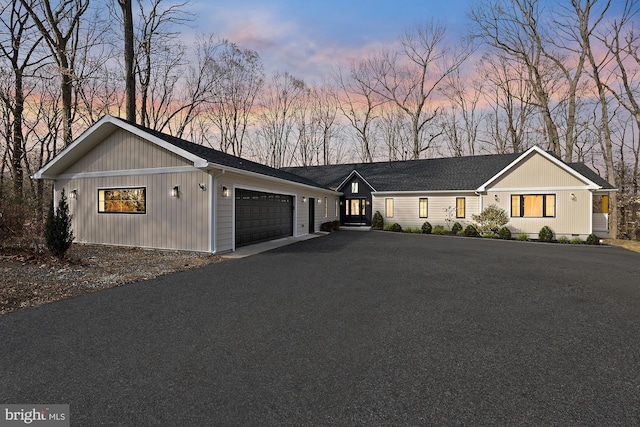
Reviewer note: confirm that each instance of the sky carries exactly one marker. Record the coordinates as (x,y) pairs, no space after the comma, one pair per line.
(307,37)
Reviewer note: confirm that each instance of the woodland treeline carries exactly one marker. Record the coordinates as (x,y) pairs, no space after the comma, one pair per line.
(563,75)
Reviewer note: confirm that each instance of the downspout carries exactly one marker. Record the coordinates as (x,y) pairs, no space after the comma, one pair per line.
(213,217)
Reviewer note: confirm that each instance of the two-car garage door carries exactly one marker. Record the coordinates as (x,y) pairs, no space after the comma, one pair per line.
(262,216)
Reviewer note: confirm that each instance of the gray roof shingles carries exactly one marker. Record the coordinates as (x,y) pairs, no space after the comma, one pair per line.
(442,174)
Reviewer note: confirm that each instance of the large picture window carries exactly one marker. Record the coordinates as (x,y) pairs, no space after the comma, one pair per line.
(533,205)
(423,208)
(122,200)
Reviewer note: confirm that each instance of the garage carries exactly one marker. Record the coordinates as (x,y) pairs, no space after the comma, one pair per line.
(262,216)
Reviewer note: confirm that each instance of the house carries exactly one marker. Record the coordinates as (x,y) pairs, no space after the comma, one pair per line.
(129,185)
(535,188)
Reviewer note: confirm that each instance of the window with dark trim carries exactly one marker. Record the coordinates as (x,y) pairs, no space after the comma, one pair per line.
(423,208)
(533,205)
(122,200)
(460,207)
(354,188)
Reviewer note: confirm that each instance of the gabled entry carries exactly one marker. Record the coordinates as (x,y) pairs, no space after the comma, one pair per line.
(355,203)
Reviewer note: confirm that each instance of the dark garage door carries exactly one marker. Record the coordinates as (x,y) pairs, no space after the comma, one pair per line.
(262,216)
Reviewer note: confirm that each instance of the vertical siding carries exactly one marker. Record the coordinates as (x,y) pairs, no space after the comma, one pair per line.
(406,208)
(535,171)
(123,150)
(225,213)
(573,217)
(169,223)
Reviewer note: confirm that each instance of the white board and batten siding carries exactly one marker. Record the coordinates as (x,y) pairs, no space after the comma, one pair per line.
(538,175)
(169,223)
(225,214)
(441,206)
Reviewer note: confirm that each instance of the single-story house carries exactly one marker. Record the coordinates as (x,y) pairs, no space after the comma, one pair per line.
(129,185)
(535,188)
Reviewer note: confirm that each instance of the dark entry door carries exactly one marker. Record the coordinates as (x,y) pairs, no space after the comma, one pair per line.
(355,211)
(312,215)
(262,216)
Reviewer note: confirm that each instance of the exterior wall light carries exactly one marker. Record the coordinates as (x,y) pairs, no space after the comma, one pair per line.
(573,196)
(73,194)
(225,191)
(175,191)
(202,186)
(304,199)
(319,200)
(496,198)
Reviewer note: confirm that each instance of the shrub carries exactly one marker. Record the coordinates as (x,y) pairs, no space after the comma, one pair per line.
(439,229)
(545,234)
(471,231)
(523,237)
(377,222)
(576,241)
(563,239)
(456,228)
(489,235)
(427,228)
(330,226)
(504,233)
(491,219)
(395,227)
(592,239)
(460,233)
(57,233)
(411,230)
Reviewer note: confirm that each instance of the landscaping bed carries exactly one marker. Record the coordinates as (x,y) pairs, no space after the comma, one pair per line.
(29,278)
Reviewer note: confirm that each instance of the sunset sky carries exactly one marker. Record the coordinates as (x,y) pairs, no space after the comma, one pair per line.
(307,37)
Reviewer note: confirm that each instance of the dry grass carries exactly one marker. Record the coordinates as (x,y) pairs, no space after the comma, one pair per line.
(632,245)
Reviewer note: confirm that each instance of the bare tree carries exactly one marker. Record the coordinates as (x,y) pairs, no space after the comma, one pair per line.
(158,57)
(59,27)
(129,59)
(279,103)
(357,101)
(513,27)
(239,76)
(19,49)
(411,77)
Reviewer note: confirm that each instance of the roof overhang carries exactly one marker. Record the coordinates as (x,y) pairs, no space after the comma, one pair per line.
(348,178)
(590,185)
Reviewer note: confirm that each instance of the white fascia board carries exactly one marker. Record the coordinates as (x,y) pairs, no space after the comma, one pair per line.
(590,184)
(355,172)
(129,172)
(423,192)
(534,190)
(271,178)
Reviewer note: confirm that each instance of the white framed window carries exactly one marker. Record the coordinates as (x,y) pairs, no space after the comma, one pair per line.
(388,208)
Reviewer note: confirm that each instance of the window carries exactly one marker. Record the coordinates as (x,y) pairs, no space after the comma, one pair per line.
(122,200)
(337,208)
(354,187)
(388,208)
(533,205)
(326,208)
(460,207)
(423,208)
(355,207)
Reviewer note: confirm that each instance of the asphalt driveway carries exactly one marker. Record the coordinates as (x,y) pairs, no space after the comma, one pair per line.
(349,329)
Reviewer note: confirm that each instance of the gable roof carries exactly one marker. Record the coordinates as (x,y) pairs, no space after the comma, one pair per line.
(201,156)
(470,173)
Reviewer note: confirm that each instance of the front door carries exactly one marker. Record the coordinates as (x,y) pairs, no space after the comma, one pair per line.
(355,211)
